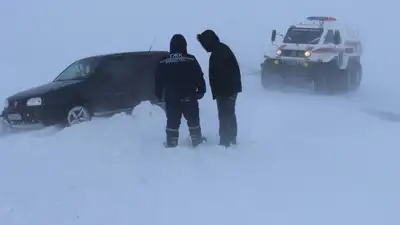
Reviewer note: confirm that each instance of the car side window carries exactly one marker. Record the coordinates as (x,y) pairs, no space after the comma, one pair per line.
(145,69)
(144,66)
(329,38)
(118,68)
(340,37)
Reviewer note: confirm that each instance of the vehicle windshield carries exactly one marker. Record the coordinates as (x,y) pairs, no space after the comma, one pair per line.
(298,35)
(79,70)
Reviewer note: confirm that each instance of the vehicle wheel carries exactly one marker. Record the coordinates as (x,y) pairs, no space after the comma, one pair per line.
(323,79)
(341,81)
(331,80)
(355,76)
(320,83)
(78,114)
(349,79)
(271,81)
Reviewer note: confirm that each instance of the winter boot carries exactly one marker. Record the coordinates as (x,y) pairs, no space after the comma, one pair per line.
(197,141)
(171,143)
(196,136)
(172,139)
(225,143)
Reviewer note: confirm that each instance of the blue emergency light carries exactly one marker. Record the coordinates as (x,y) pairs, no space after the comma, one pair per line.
(321,18)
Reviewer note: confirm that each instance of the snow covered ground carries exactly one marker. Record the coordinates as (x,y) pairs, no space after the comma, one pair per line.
(302,159)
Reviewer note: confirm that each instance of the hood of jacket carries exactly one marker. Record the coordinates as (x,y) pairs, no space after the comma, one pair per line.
(178,44)
(208,39)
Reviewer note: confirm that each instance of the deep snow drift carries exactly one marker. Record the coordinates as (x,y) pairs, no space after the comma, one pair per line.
(302,159)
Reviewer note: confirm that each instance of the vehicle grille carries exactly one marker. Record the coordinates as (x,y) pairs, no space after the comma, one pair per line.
(18,104)
(293,53)
(28,114)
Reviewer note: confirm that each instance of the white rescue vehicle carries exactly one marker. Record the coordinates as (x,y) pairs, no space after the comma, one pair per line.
(320,51)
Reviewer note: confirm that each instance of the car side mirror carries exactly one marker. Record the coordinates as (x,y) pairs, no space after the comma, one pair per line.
(273,35)
(336,38)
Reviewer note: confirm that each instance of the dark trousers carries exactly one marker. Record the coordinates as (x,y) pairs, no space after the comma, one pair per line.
(189,108)
(227,119)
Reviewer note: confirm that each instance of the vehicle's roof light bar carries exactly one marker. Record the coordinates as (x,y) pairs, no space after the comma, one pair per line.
(321,18)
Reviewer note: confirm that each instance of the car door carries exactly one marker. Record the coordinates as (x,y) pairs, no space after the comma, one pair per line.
(113,84)
(143,87)
(133,80)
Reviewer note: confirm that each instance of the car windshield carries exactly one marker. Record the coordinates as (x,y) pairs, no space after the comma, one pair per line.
(298,35)
(78,70)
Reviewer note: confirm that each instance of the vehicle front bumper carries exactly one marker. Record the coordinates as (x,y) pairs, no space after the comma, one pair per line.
(35,117)
(294,67)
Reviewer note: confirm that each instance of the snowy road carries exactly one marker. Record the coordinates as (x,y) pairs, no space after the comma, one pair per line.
(302,159)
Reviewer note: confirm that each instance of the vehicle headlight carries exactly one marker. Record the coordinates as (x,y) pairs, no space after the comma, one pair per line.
(307,54)
(34,101)
(6,103)
(279,52)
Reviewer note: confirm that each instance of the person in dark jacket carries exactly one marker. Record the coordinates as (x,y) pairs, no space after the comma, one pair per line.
(180,84)
(225,83)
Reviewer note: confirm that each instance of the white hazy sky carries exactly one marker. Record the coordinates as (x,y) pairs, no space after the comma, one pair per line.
(40,37)
(306,160)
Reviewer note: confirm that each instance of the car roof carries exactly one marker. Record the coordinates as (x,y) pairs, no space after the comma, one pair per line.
(135,53)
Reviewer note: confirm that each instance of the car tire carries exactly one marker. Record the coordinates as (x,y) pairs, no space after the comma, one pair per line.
(349,80)
(78,114)
(355,75)
(320,83)
(330,79)
(270,80)
(324,78)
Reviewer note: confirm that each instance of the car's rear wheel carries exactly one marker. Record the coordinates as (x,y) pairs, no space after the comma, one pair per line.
(78,114)
(330,79)
(349,79)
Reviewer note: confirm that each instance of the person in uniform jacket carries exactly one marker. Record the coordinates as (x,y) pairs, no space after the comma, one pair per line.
(180,84)
(225,83)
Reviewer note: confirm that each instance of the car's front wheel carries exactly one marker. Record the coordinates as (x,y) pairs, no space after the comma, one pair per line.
(271,80)
(78,114)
